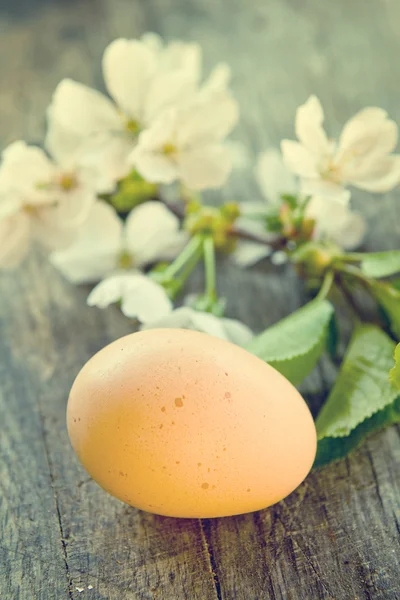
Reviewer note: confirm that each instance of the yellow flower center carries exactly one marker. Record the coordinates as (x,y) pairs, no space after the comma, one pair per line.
(124,260)
(132,126)
(169,149)
(67,182)
(331,171)
(29,210)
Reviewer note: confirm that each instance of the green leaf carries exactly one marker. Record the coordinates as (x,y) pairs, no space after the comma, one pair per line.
(291,200)
(381,264)
(294,345)
(395,283)
(394,374)
(389,298)
(331,448)
(362,387)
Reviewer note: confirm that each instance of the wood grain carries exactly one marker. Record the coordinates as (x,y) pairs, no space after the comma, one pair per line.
(337,536)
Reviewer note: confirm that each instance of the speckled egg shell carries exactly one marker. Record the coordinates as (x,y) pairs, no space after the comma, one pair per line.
(183,424)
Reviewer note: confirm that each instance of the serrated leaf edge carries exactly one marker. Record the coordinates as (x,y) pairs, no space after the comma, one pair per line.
(309,348)
(293,356)
(344,433)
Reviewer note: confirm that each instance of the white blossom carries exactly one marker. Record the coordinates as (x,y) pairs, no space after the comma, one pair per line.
(141,298)
(40,200)
(361,157)
(274,180)
(150,233)
(186,144)
(143,78)
(176,54)
(334,220)
(188,57)
(187,318)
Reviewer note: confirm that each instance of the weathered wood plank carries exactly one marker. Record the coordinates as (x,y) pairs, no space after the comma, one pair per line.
(30,548)
(336,536)
(122,552)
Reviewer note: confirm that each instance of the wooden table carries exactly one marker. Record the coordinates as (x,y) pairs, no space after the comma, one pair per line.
(337,536)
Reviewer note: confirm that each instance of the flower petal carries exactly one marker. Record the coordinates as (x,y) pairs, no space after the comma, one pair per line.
(180,318)
(182,55)
(62,143)
(128,66)
(160,133)
(94,253)
(383,175)
(10,204)
(237,332)
(369,130)
(352,231)
(140,297)
(74,207)
(324,188)
(205,166)
(23,169)
(108,291)
(76,112)
(49,231)
(145,300)
(335,221)
(148,157)
(165,90)
(15,240)
(156,168)
(247,254)
(207,323)
(309,130)
(188,318)
(103,161)
(150,161)
(273,177)
(207,121)
(152,232)
(298,159)
(153,41)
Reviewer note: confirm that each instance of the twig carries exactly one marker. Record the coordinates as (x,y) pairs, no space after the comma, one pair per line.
(209,264)
(276,244)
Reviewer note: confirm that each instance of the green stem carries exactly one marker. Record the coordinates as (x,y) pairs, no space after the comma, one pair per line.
(351,257)
(191,263)
(353,272)
(189,251)
(209,265)
(326,286)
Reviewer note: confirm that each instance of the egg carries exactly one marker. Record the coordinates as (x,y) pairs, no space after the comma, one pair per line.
(183,424)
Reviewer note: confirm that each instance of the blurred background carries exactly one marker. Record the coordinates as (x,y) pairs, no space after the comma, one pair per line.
(346,52)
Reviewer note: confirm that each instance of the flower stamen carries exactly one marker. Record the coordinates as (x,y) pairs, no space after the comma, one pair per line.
(124,260)
(169,149)
(67,182)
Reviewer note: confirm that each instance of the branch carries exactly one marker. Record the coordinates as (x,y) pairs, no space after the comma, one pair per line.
(278,243)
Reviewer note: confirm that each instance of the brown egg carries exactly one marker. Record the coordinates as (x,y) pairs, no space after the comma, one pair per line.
(183,424)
